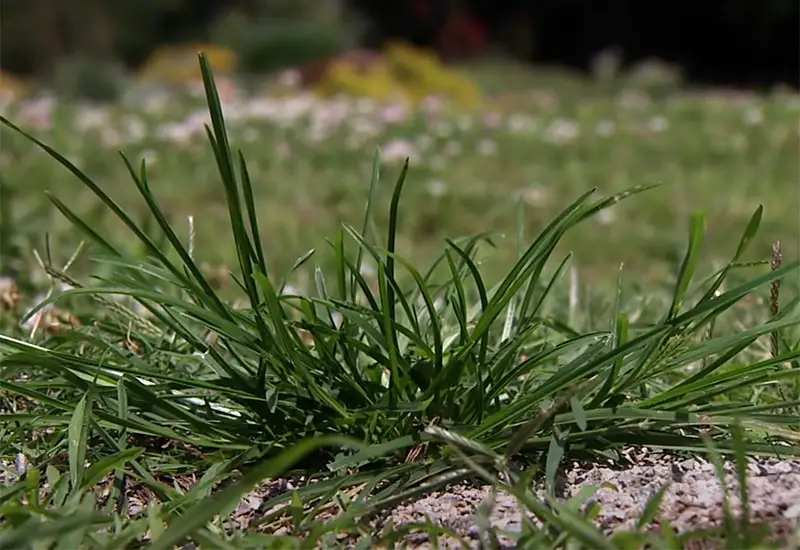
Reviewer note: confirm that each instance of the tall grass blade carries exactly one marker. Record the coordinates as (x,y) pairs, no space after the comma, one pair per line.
(250,207)
(222,153)
(689,264)
(368,219)
(748,234)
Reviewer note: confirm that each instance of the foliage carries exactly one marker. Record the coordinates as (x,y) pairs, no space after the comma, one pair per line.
(82,77)
(267,44)
(412,73)
(11,87)
(177,64)
(655,77)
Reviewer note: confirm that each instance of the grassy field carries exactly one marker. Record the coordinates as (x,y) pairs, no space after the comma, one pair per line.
(171,369)
(722,153)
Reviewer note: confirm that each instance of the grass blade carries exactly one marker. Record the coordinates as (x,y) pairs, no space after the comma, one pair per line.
(689,264)
(78,434)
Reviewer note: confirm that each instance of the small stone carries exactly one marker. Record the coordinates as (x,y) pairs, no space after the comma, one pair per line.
(792,512)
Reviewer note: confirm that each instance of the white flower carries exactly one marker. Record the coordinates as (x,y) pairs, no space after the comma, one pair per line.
(183,132)
(290,78)
(438,162)
(561,131)
(534,194)
(135,128)
(367,270)
(519,123)
(658,124)
(393,114)
(437,188)
(605,127)
(399,149)
(633,99)
(464,122)
(453,148)
(606,216)
(290,290)
(155,102)
(365,127)
(110,137)
(89,118)
(444,129)
(432,105)
(739,142)
(753,116)
(250,134)
(487,147)
(492,120)
(149,156)
(424,142)
(365,105)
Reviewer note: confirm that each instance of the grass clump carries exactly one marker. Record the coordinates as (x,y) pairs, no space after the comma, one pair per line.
(378,390)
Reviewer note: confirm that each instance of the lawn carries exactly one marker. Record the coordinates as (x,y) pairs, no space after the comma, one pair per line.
(646,314)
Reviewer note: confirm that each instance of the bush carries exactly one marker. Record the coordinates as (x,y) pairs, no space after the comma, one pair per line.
(404,70)
(656,77)
(82,77)
(178,64)
(270,44)
(11,87)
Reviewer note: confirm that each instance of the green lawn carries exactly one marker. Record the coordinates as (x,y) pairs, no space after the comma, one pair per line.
(502,352)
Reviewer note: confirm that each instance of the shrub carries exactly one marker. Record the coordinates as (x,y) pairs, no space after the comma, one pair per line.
(404,70)
(178,64)
(345,77)
(270,44)
(11,87)
(82,77)
(656,77)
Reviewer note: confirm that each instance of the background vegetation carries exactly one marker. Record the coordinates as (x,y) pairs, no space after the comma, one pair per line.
(734,42)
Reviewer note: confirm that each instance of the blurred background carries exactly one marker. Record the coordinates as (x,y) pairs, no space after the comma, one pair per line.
(741,43)
(493,101)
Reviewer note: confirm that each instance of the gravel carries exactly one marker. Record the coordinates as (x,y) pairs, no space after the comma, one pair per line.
(693,499)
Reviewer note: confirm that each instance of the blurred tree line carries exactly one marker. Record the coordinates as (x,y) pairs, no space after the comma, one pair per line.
(35,34)
(750,42)
(735,39)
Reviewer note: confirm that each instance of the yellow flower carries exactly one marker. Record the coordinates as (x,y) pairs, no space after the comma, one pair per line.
(178,64)
(11,86)
(407,71)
